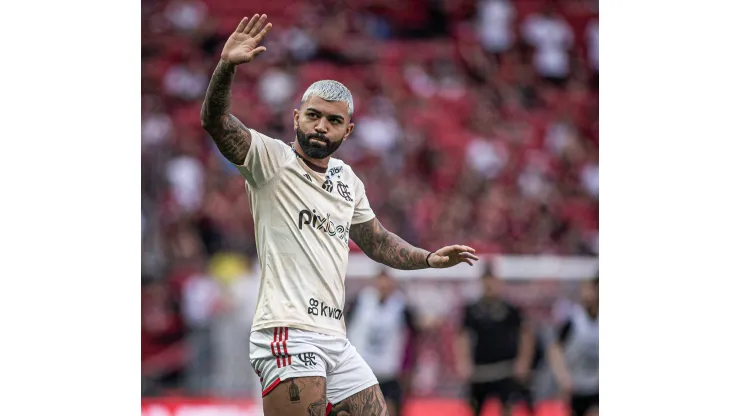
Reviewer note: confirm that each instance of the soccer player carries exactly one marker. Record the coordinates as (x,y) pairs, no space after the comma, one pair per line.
(306,206)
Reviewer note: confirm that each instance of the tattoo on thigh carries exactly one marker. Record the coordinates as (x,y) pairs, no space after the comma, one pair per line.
(317,408)
(293,392)
(369,402)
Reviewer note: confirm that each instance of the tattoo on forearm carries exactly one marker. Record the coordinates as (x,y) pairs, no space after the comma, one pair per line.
(385,247)
(369,402)
(231,136)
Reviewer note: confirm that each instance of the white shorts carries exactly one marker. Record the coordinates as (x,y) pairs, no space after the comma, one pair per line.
(279,354)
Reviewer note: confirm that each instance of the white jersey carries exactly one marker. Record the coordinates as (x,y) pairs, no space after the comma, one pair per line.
(302,220)
(581,350)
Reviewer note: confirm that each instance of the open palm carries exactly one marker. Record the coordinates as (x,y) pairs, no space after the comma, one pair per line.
(452,255)
(243,44)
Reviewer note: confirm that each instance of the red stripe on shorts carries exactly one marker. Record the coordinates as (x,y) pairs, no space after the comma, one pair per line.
(285,348)
(328,408)
(271,387)
(274,338)
(280,339)
(272,345)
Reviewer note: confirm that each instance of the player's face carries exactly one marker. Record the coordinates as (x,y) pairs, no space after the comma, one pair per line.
(321,126)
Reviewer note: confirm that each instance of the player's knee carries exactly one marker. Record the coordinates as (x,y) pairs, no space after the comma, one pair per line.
(297,396)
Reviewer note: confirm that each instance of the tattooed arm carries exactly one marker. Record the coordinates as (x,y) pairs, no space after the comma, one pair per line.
(231,136)
(385,247)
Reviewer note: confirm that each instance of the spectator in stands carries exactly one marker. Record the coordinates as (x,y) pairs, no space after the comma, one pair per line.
(590,177)
(378,130)
(276,87)
(552,38)
(186,81)
(502,345)
(161,334)
(487,156)
(156,124)
(300,42)
(495,25)
(186,15)
(592,39)
(380,325)
(186,178)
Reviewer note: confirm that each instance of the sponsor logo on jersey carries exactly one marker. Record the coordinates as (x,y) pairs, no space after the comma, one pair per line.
(317,308)
(312,219)
(328,185)
(307,176)
(335,170)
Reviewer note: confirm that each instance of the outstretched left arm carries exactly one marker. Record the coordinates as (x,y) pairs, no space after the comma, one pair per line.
(385,247)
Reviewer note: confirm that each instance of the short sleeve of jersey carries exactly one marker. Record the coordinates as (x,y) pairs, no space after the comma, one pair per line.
(363,212)
(265,158)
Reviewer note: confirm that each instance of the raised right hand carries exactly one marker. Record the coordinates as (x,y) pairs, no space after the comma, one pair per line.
(242,45)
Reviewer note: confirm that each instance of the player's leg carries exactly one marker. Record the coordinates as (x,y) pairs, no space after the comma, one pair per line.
(477,397)
(583,405)
(297,397)
(503,391)
(593,405)
(576,406)
(527,397)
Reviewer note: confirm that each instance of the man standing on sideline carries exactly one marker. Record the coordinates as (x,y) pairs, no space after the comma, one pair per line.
(380,325)
(574,355)
(502,345)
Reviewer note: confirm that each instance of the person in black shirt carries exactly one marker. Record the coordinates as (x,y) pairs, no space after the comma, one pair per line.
(502,344)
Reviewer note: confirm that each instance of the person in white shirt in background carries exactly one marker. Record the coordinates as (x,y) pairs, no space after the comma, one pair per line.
(495,25)
(201,298)
(574,354)
(552,38)
(380,325)
(592,40)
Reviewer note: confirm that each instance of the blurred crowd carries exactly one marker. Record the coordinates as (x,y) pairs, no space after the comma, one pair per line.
(476,122)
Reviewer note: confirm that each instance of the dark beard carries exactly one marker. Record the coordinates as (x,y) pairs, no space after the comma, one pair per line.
(315,151)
